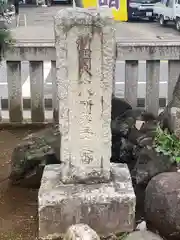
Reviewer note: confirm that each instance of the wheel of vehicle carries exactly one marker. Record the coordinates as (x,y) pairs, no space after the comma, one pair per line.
(162,21)
(178,24)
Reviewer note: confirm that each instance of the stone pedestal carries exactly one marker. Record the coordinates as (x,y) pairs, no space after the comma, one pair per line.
(105,207)
(85,188)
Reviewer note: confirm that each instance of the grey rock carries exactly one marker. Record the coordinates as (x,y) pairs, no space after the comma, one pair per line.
(134,113)
(145,141)
(126,148)
(149,164)
(118,128)
(165,117)
(121,127)
(162,205)
(141,226)
(122,124)
(81,232)
(126,120)
(175,102)
(134,135)
(119,107)
(174,121)
(143,235)
(122,150)
(32,154)
(149,126)
(145,135)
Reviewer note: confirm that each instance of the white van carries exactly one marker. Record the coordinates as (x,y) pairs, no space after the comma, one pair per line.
(168,10)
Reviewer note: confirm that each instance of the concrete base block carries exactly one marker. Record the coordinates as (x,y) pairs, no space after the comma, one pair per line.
(105,207)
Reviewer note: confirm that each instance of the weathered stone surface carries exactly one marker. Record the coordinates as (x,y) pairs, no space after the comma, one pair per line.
(84,84)
(174,121)
(81,232)
(132,127)
(32,154)
(106,207)
(141,226)
(119,107)
(149,164)
(143,235)
(119,129)
(169,117)
(162,204)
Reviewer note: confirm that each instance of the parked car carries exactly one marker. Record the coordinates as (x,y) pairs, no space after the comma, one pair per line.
(168,11)
(61,1)
(141,9)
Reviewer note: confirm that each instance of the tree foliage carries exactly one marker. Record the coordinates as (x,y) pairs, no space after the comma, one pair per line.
(5,35)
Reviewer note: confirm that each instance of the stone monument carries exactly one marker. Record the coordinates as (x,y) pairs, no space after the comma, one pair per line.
(174,120)
(85,188)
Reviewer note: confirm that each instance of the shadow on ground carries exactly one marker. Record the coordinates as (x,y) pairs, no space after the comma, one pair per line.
(18,206)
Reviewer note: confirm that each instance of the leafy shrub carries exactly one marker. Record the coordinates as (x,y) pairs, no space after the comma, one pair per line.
(167,143)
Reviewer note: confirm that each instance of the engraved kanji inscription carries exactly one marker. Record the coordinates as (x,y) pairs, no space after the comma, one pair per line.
(86,156)
(83,46)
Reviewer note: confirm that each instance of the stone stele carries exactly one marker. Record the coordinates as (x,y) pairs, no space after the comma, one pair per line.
(85,188)
(85,50)
(175,121)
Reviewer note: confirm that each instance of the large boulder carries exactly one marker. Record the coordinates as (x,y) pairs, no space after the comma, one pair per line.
(32,154)
(119,127)
(143,235)
(162,204)
(149,163)
(119,106)
(122,127)
(121,124)
(144,135)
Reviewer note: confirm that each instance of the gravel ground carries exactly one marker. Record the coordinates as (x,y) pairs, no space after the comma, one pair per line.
(18,206)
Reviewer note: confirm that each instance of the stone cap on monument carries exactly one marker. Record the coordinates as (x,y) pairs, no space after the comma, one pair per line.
(84,16)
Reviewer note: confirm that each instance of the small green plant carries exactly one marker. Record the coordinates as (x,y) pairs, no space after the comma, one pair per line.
(167,143)
(122,236)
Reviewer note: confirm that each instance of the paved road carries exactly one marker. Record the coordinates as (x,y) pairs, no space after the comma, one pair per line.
(36,24)
(39,25)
